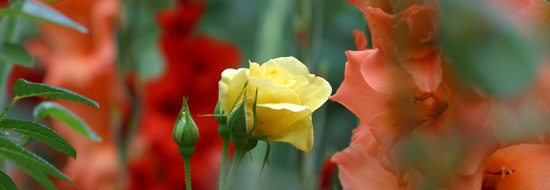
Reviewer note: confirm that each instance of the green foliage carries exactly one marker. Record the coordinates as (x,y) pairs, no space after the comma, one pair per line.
(23,89)
(5,182)
(40,12)
(39,132)
(32,164)
(35,166)
(14,54)
(486,49)
(62,114)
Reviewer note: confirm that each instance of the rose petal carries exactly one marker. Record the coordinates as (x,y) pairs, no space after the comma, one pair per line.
(288,122)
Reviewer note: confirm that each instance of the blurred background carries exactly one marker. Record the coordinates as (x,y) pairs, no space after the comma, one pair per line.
(141,57)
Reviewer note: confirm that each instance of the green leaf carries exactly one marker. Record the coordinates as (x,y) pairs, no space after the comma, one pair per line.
(39,132)
(62,114)
(23,89)
(14,54)
(35,166)
(40,12)
(486,49)
(5,182)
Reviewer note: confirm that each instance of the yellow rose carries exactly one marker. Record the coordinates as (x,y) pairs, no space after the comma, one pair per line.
(287,96)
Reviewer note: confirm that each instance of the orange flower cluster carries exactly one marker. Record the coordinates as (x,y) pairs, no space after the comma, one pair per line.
(86,64)
(421,125)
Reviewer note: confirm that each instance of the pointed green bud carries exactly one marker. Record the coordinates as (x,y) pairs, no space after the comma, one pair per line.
(238,125)
(186,133)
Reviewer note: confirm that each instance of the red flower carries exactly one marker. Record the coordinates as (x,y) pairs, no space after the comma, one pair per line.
(194,64)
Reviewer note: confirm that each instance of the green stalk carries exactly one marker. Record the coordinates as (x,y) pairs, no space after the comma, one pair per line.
(8,108)
(9,35)
(2,164)
(224,163)
(237,157)
(187,167)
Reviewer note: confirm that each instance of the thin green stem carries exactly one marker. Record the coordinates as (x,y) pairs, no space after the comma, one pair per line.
(224,163)
(237,157)
(2,164)
(9,35)
(187,167)
(8,108)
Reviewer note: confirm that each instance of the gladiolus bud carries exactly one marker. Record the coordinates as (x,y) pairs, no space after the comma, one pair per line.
(186,133)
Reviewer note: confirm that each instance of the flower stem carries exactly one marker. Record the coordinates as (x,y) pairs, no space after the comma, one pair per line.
(8,108)
(9,35)
(237,157)
(187,167)
(2,164)
(224,163)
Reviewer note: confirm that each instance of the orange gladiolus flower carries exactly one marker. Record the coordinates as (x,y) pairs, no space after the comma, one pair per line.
(453,127)
(363,166)
(412,28)
(86,64)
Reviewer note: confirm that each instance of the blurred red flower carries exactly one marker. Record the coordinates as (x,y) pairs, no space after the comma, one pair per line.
(194,64)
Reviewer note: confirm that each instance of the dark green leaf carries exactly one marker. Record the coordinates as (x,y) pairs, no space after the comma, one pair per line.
(486,49)
(40,12)
(14,54)
(62,114)
(23,89)
(35,166)
(39,132)
(5,182)
(39,176)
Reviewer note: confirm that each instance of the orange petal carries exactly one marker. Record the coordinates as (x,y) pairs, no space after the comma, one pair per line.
(528,163)
(354,89)
(426,72)
(360,39)
(358,170)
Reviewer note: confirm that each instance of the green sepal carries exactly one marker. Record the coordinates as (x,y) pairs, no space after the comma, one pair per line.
(252,143)
(266,158)
(219,113)
(238,124)
(254,113)
(263,137)
(212,115)
(240,94)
